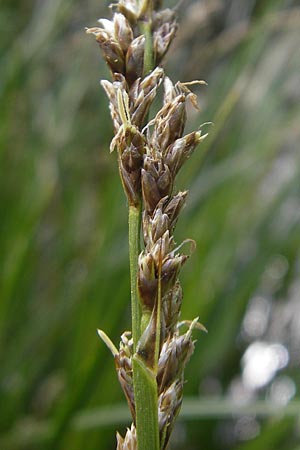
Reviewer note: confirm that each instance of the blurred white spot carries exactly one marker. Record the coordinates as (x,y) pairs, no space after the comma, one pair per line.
(256,318)
(283,389)
(287,217)
(274,273)
(239,393)
(246,428)
(260,363)
(278,267)
(285,321)
(281,173)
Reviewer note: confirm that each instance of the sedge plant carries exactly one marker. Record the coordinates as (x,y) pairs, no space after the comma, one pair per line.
(151,358)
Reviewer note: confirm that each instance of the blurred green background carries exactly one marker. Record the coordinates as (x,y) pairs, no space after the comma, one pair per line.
(63,244)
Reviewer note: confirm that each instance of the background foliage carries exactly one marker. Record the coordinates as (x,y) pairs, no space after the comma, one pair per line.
(63,247)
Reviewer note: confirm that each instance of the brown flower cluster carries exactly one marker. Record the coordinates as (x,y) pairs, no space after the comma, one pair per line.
(122,43)
(150,155)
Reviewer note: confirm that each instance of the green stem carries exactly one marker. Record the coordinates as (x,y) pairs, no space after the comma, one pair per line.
(134,222)
(146,407)
(144,380)
(158,319)
(148,53)
(146,10)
